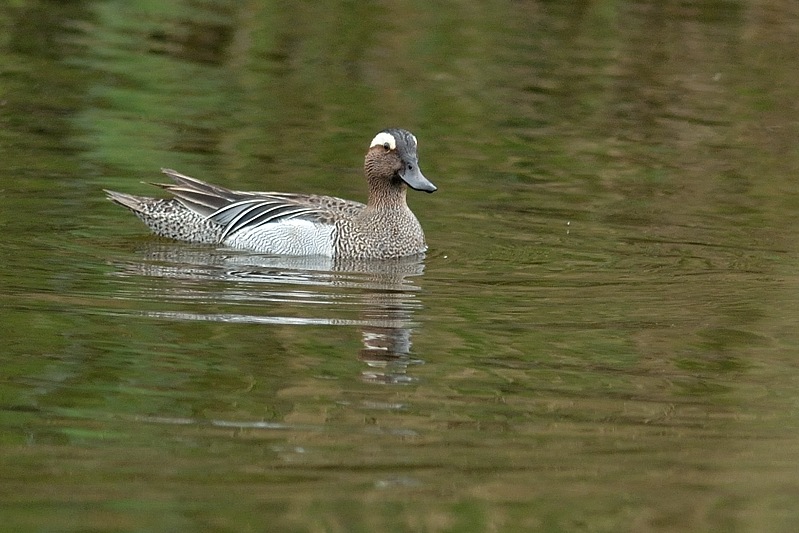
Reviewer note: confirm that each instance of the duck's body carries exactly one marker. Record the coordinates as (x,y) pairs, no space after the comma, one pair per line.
(299,224)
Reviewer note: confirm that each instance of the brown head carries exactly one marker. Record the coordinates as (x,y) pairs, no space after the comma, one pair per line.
(391,164)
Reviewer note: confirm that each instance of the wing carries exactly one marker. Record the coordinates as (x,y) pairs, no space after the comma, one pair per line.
(236,210)
(199,196)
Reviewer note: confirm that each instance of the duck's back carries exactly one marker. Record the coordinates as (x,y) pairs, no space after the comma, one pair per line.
(267,222)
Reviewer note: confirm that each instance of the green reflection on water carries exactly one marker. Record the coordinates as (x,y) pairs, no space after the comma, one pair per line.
(602,338)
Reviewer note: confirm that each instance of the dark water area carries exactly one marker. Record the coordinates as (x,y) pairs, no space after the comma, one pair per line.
(602,337)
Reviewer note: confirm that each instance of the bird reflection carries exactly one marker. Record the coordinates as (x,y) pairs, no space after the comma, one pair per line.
(384,292)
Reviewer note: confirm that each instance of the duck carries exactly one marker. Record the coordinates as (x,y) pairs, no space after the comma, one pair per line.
(294,224)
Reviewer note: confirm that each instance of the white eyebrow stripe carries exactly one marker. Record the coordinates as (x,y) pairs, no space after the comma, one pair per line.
(383,138)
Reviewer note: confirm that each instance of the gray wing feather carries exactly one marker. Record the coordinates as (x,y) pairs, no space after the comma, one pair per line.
(236,210)
(259,211)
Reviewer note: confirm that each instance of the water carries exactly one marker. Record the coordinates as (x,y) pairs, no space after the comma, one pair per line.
(603,335)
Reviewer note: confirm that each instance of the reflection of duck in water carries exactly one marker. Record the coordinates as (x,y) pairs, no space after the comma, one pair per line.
(299,224)
(378,298)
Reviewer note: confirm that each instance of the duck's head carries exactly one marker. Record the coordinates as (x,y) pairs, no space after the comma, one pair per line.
(392,156)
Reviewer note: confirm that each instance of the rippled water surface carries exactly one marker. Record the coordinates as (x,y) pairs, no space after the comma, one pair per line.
(603,336)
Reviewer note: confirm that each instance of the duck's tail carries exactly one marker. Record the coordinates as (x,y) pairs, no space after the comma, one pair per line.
(169,218)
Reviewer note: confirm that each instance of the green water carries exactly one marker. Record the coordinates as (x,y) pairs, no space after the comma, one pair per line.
(602,338)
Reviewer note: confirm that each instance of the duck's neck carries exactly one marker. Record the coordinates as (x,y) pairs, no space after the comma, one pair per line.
(387,195)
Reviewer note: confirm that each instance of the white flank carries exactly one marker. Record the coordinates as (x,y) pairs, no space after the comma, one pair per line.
(288,237)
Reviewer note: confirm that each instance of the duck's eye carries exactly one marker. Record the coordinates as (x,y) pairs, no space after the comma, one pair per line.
(387,146)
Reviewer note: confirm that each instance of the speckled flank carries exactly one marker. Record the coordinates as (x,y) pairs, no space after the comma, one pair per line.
(297,224)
